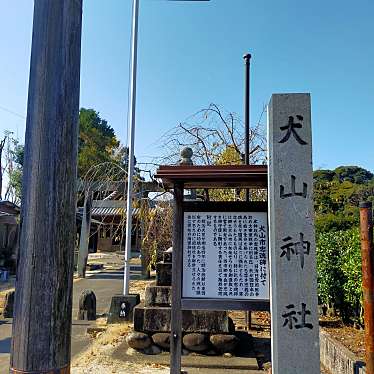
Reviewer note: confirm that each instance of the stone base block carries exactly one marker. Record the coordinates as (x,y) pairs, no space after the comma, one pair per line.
(157,296)
(122,307)
(163,274)
(224,343)
(157,319)
(162,339)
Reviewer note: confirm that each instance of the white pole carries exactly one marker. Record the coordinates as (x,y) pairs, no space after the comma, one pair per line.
(130,173)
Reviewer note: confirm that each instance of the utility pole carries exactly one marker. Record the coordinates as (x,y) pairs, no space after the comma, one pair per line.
(43,299)
(367,254)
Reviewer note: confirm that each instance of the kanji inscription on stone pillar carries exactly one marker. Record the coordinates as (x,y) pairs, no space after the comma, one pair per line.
(294,315)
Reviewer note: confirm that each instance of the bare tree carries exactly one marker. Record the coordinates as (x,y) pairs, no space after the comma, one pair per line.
(209,132)
(2,164)
(216,136)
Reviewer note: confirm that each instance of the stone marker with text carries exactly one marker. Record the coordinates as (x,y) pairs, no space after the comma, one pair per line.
(295,339)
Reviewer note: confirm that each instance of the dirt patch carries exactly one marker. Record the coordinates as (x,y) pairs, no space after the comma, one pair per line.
(350,337)
(138,286)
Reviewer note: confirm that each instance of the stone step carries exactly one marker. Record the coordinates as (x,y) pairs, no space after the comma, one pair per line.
(157,319)
(157,295)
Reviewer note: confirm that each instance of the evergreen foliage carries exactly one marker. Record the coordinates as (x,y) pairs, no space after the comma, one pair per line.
(339,272)
(337,194)
(98,143)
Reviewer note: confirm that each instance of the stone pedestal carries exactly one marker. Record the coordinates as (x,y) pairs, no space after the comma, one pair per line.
(153,317)
(157,319)
(122,308)
(163,274)
(157,295)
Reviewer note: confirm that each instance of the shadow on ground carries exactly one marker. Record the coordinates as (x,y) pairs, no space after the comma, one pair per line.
(5,345)
(262,349)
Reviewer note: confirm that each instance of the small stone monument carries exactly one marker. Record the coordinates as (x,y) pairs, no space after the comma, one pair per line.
(121,308)
(87,306)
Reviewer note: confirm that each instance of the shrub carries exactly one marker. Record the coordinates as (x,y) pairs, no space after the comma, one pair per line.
(339,271)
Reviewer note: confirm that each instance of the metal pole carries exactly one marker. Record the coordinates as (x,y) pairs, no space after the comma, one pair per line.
(367,252)
(130,173)
(247,62)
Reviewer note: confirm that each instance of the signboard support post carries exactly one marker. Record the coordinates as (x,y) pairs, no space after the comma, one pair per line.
(176,310)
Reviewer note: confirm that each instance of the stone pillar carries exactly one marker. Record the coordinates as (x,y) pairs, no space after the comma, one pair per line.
(294,316)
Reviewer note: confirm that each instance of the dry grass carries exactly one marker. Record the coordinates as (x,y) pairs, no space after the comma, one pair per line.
(138,286)
(97,358)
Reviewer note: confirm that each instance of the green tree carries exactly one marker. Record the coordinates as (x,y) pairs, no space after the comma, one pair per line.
(98,151)
(337,194)
(97,142)
(354,174)
(14,166)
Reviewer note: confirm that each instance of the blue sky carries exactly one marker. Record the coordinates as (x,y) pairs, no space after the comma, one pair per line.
(190,54)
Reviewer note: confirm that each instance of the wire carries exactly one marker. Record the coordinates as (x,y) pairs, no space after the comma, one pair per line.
(11,112)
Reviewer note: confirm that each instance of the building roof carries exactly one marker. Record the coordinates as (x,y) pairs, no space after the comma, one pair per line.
(214,176)
(8,207)
(108,212)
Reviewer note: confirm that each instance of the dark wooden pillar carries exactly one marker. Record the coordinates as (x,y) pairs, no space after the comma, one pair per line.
(43,301)
(176,305)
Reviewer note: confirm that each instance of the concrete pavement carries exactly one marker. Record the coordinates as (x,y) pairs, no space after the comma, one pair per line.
(104,283)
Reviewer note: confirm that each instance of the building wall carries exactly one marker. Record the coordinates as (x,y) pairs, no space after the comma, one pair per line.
(105,245)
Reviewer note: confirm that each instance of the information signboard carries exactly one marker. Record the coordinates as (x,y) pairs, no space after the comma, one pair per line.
(225,255)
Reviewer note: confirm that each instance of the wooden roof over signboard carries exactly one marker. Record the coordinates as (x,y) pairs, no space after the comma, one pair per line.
(215,176)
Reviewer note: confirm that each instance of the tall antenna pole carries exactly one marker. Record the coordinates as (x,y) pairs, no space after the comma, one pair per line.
(130,173)
(247,64)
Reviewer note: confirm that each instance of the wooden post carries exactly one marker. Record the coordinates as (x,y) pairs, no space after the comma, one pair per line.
(85,235)
(176,305)
(367,252)
(43,300)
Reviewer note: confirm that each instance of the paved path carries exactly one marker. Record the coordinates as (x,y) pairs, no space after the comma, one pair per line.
(105,284)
